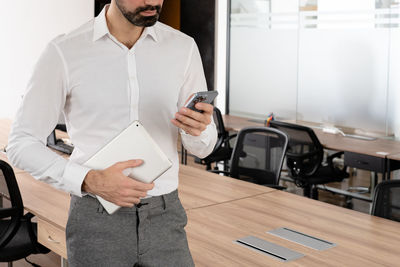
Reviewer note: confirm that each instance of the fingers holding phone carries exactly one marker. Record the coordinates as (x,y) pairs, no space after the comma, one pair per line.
(196,115)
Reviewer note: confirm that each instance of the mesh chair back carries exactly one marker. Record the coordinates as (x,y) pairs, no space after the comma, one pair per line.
(305,152)
(258,155)
(16,211)
(386,202)
(219,123)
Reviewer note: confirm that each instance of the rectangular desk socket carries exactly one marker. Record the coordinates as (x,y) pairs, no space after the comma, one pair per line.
(302,239)
(268,248)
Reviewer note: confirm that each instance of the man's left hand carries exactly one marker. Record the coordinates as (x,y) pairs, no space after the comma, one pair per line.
(192,122)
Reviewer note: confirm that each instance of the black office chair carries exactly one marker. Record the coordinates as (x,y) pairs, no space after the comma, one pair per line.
(18,237)
(258,156)
(304,159)
(222,150)
(386,202)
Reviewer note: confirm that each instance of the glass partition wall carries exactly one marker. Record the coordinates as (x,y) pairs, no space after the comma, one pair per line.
(325,61)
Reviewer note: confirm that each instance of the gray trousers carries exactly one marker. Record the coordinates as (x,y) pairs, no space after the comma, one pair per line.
(149,234)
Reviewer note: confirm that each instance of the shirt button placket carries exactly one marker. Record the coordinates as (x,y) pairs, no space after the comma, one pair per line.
(134,86)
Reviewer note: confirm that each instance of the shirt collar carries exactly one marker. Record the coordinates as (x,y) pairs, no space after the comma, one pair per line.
(100,27)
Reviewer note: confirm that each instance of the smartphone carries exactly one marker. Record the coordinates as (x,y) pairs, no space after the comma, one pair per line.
(204,97)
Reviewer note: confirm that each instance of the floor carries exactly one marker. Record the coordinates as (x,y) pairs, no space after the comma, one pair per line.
(358,178)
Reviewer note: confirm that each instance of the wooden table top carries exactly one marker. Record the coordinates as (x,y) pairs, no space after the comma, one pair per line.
(197,188)
(394,157)
(361,239)
(43,200)
(378,147)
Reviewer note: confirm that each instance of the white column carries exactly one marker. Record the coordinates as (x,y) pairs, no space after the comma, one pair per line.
(220,52)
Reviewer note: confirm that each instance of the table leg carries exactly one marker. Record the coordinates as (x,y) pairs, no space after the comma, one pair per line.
(183,155)
(374,181)
(64,262)
(388,169)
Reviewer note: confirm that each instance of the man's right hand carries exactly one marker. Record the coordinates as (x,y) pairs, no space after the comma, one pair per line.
(112,185)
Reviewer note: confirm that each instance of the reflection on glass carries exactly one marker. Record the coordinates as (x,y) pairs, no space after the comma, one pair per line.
(263,57)
(315,60)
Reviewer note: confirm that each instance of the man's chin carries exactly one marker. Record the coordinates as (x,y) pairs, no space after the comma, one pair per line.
(147,21)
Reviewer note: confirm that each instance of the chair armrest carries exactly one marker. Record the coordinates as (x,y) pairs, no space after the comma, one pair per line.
(338,171)
(232,136)
(28,216)
(335,155)
(32,227)
(8,212)
(279,187)
(219,171)
(32,230)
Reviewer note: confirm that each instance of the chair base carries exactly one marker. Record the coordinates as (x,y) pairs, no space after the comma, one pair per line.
(345,193)
(359,189)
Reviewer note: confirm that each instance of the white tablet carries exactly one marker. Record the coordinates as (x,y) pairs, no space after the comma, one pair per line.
(132,143)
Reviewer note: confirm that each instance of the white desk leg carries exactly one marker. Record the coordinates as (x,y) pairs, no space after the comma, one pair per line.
(64,262)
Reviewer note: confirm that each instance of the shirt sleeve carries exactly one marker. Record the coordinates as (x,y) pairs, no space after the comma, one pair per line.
(202,145)
(37,116)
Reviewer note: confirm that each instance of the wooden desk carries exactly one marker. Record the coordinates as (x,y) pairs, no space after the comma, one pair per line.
(212,227)
(362,240)
(197,189)
(393,162)
(222,209)
(378,148)
(362,154)
(394,157)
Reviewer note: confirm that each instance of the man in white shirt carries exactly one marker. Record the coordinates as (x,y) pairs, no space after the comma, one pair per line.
(119,67)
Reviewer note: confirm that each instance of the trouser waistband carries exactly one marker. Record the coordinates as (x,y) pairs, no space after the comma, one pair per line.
(145,203)
(156,201)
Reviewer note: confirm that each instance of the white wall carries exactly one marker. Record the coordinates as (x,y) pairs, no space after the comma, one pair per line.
(220,53)
(26,27)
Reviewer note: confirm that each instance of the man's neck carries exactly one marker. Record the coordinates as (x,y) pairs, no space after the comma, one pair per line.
(121,28)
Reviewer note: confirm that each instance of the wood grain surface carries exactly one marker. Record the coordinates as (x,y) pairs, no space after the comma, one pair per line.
(362,240)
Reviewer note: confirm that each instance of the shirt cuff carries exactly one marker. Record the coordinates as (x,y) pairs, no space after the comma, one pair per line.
(204,138)
(74,174)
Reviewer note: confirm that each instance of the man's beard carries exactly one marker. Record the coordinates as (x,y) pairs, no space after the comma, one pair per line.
(138,20)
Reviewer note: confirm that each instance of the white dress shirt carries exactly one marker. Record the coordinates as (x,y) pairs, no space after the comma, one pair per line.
(101,86)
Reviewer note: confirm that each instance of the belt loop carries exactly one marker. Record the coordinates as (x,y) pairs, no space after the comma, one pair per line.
(164,200)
